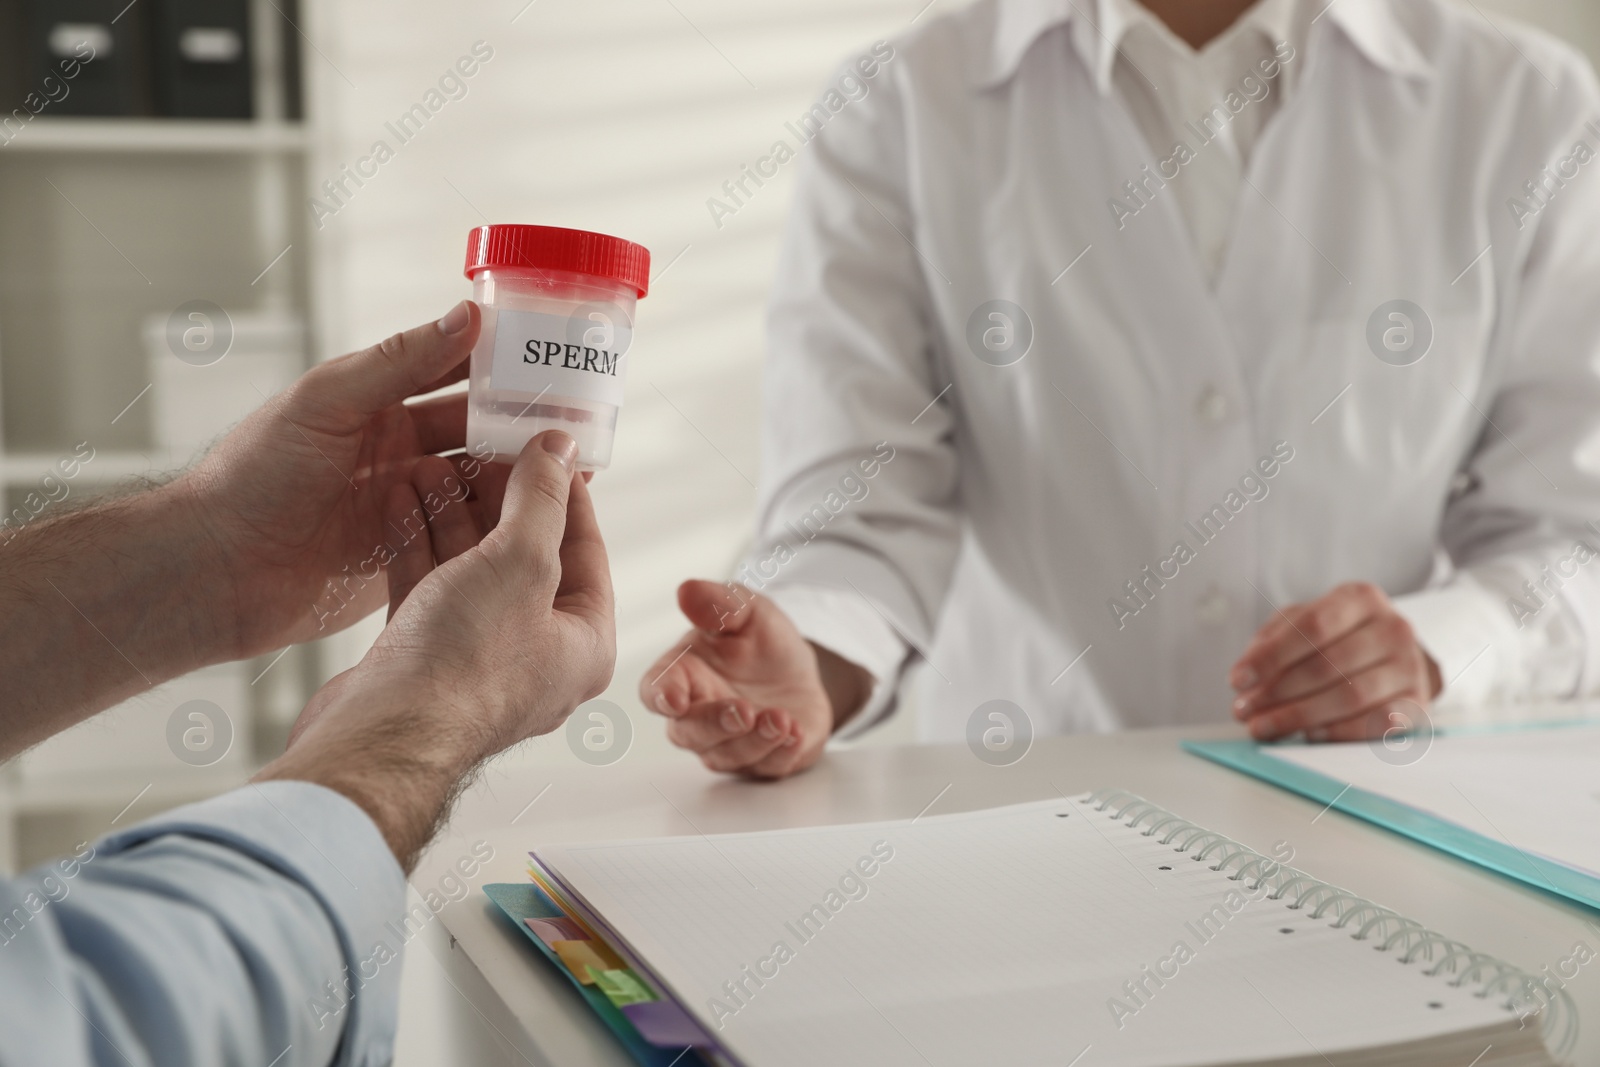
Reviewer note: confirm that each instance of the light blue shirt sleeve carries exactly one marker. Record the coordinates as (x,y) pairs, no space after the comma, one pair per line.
(259,927)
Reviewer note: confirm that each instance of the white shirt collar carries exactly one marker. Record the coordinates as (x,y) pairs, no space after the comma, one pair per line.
(1099,44)
(1373,26)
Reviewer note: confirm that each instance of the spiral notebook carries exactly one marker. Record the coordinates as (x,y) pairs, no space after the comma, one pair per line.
(1096,930)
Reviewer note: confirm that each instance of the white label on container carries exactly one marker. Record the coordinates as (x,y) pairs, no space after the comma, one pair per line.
(582,355)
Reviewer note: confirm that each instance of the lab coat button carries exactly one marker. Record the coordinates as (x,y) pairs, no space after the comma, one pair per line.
(1212,608)
(1212,406)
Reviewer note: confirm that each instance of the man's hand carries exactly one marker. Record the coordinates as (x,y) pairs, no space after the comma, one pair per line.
(491,639)
(293,499)
(1336,668)
(745,690)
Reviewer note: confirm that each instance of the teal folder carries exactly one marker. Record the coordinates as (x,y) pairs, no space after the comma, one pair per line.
(1498,856)
(527,901)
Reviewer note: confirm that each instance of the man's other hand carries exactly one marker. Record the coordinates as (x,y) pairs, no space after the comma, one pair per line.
(491,639)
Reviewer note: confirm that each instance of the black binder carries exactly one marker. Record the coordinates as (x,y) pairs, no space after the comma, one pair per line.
(13,57)
(202,59)
(100,42)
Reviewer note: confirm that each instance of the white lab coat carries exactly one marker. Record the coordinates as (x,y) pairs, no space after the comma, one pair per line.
(1023,499)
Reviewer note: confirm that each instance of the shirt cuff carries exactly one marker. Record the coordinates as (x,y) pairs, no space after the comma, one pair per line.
(1465,629)
(325,842)
(850,627)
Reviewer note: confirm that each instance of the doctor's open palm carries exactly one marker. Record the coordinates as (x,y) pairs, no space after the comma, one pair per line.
(744,690)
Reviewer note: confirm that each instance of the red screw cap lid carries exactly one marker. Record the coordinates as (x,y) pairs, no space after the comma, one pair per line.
(556,248)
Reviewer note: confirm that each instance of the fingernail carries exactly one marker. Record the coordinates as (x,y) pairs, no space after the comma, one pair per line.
(664,706)
(790,741)
(1241,706)
(455,320)
(559,445)
(1244,678)
(732,721)
(770,729)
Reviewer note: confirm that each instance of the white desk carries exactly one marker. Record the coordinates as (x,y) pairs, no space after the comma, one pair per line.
(513,1009)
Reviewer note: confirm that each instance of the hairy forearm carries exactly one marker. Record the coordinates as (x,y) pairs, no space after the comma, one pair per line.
(102,603)
(397,752)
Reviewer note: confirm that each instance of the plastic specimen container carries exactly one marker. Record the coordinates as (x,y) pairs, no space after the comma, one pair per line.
(558,310)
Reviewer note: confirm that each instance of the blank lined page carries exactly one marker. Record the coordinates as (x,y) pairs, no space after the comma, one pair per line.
(1018,935)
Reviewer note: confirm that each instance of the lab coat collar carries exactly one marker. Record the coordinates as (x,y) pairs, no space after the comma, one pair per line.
(1016,25)
(1373,26)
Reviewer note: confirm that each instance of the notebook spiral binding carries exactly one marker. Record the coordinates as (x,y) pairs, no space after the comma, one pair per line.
(1524,994)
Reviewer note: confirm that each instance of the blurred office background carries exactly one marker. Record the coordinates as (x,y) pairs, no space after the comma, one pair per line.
(216,158)
(181,173)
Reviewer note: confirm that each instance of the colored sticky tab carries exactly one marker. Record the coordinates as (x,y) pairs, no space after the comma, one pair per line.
(664,1024)
(622,987)
(584,957)
(560,928)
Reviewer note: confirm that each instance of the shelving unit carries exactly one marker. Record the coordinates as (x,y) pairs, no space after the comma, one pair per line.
(185,136)
(108,222)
